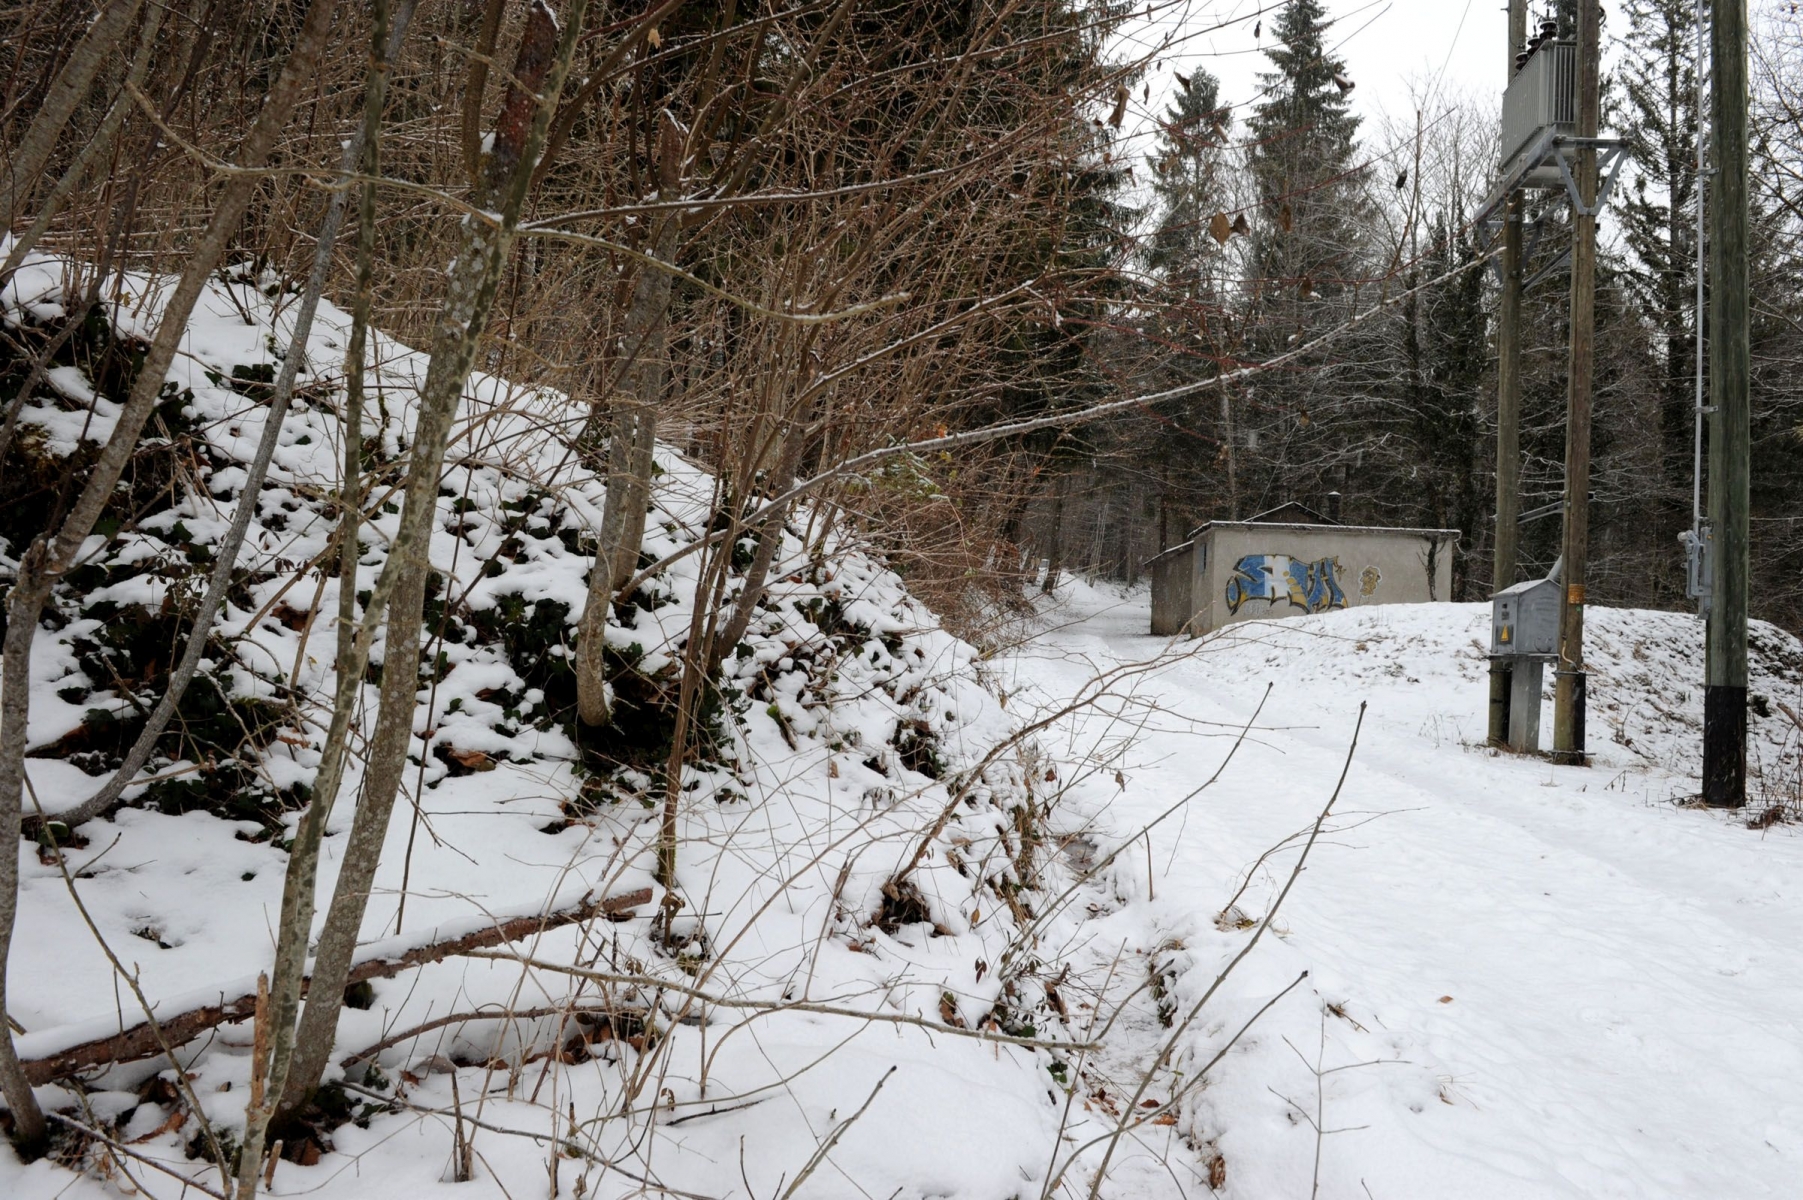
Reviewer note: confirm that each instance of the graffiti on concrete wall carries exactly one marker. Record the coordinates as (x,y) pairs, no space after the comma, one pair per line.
(1311,586)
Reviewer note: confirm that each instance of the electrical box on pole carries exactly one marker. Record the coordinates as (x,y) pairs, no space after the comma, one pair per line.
(1524,637)
(1699,563)
(1524,619)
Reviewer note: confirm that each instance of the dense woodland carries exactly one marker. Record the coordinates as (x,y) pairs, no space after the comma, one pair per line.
(1326,214)
(945,281)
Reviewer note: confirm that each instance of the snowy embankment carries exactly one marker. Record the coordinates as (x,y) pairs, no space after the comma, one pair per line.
(1525,981)
(850,724)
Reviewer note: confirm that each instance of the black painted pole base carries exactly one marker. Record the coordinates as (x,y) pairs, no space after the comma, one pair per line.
(1500,678)
(1724,746)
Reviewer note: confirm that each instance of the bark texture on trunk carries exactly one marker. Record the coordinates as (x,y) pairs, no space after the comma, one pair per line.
(66,93)
(226,557)
(538,76)
(95,151)
(631,444)
(1055,547)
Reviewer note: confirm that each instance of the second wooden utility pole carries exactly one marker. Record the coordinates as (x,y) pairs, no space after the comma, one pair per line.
(1508,405)
(1725,693)
(1568,695)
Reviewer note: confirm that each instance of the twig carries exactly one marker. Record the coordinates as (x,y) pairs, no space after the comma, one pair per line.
(1791,713)
(1196,1009)
(505,1014)
(832,1139)
(164,1046)
(1059,420)
(127,1151)
(532,1135)
(829,1010)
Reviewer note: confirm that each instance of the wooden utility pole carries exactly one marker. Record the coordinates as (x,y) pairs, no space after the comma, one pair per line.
(1508,405)
(1568,695)
(1725,691)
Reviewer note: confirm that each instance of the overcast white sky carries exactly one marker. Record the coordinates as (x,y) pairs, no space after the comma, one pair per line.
(1389,46)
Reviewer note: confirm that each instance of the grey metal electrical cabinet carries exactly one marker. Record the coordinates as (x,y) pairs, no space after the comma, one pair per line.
(1524,620)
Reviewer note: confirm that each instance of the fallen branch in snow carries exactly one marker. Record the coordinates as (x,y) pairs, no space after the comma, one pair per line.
(140,1041)
(499,1014)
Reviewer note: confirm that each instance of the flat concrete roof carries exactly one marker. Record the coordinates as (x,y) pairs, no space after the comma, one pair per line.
(1199,530)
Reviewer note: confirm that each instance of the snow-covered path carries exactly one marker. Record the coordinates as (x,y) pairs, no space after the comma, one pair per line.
(1565,984)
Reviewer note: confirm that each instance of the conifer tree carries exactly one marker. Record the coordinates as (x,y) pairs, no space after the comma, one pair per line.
(1304,152)
(1189,250)
(1188,168)
(1309,255)
(1446,347)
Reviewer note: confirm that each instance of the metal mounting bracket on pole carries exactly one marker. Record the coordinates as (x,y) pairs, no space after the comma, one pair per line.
(1546,165)
(1610,155)
(1545,510)
(1536,229)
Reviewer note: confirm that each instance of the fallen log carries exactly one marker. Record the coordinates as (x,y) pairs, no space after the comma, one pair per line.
(142,1040)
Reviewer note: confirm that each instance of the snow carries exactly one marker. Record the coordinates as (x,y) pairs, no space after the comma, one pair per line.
(1522,980)
(1563,984)
(817,798)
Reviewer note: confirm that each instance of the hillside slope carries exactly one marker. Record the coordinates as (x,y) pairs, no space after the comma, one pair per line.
(851,730)
(1521,980)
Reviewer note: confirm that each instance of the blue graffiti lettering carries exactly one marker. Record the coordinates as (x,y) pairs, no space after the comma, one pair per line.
(1311,586)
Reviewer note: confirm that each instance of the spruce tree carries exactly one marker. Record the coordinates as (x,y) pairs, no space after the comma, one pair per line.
(1447,344)
(1188,183)
(1309,256)
(1304,159)
(1189,253)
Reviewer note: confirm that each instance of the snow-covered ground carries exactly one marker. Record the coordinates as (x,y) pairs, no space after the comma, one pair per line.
(1525,981)
(1496,978)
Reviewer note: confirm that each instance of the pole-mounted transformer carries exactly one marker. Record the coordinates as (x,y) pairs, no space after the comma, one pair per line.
(1549,142)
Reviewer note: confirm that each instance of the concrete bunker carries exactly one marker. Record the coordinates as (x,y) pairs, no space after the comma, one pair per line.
(1289,561)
